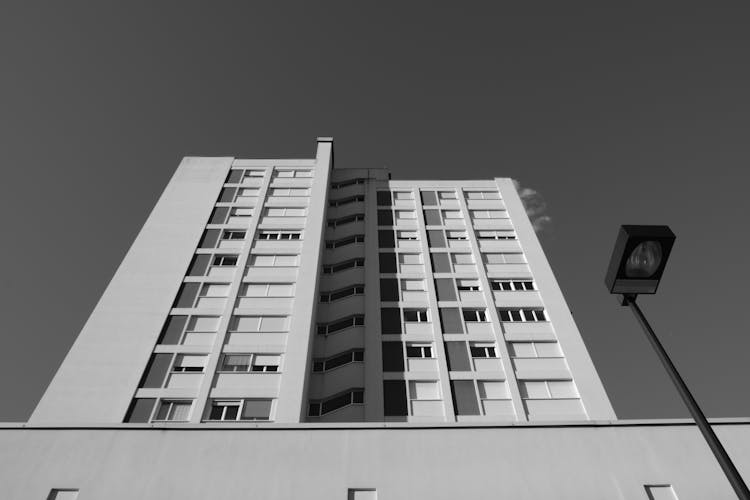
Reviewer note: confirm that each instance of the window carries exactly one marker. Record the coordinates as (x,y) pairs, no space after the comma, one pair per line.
(279,235)
(526,315)
(346,220)
(415,316)
(403,195)
(548,389)
(407,235)
(462,258)
(483,195)
(285,212)
(233,235)
(658,492)
(447,195)
(457,235)
(423,390)
(290,192)
(253,324)
(267,290)
(412,285)
(406,215)
(346,201)
(72,494)
(496,235)
(418,350)
(320,408)
(504,258)
(214,290)
(357,238)
(274,260)
(475,315)
(535,350)
(266,362)
(341,324)
(254,173)
(488,214)
(239,212)
(174,411)
(466,285)
(493,389)
(189,363)
(362,494)
(342,293)
(322,365)
(235,363)
(243,409)
(225,260)
(482,350)
(508,285)
(292,173)
(341,266)
(349,182)
(410,258)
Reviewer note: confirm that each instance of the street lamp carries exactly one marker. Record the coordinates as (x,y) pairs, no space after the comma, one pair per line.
(637,264)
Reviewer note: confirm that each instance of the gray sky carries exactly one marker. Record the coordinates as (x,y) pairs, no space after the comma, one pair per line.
(635,116)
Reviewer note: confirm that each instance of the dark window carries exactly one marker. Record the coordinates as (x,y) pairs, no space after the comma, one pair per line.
(432,217)
(219,215)
(450,319)
(225,260)
(389,289)
(394,398)
(172,330)
(358,396)
(227,195)
(393,357)
(444,289)
(415,315)
(209,239)
(387,262)
(436,238)
(256,409)
(441,263)
(390,320)
(140,410)
(199,265)
(429,198)
(384,198)
(385,218)
(458,360)
(156,371)
(386,239)
(464,397)
(234,177)
(482,352)
(187,294)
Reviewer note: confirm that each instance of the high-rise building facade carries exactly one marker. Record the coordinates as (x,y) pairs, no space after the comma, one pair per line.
(292,291)
(286,329)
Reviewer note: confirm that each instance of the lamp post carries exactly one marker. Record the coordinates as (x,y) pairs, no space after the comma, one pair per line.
(637,264)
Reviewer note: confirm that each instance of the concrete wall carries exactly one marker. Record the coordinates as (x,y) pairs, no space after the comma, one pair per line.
(576,462)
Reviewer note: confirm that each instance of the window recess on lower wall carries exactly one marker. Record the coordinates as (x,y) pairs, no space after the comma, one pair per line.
(232,410)
(324,406)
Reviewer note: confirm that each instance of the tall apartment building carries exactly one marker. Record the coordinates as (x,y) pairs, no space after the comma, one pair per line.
(287,329)
(292,291)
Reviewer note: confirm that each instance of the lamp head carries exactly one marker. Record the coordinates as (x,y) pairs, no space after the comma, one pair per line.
(638,259)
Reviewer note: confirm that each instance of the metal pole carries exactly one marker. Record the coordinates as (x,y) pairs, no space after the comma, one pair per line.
(740,488)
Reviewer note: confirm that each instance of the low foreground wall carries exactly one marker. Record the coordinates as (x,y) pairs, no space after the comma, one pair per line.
(401,462)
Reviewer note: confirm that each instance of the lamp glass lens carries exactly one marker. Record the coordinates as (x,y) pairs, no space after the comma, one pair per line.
(644,260)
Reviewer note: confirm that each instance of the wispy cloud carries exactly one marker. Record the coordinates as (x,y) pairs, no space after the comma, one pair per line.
(536,207)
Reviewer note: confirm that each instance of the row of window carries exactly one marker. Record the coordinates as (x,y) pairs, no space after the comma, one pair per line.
(202,264)
(323,365)
(348,182)
(342,221)
(341,324)
(443,262)
(346,201)
(349,240)
(161,365)
(342,293)
(236,176)
(249,195)
(431,198)
(341,266)
(453,319)
(447,288)
(179,410)
(350,397)
(435,217)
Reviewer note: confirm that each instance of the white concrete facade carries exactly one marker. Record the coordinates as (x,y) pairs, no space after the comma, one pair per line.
(292,291)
